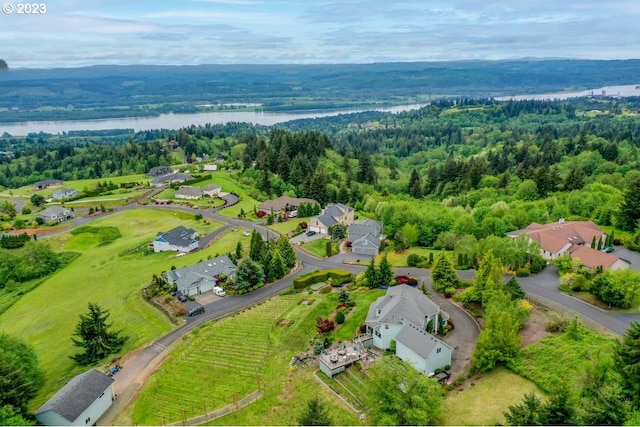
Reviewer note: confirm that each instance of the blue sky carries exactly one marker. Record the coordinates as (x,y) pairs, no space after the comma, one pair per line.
(80,32)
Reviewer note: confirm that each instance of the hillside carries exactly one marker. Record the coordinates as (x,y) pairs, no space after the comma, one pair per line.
(128,91)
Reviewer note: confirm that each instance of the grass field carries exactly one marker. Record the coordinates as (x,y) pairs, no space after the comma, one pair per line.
(78,185)
(233,356)
(45,317)
(485,402)
(400,259)
(229,185)
(287,226)
(318,248)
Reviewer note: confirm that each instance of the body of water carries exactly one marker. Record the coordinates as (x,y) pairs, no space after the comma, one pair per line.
(176,121)
(615,91)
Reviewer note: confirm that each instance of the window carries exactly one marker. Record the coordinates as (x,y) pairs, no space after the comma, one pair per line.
(439,350)
(87,421)
(386,326)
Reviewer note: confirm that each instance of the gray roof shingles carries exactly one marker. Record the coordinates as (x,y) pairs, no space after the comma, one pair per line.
(78,394)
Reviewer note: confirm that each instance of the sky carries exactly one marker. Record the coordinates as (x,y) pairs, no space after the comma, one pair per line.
(75,33)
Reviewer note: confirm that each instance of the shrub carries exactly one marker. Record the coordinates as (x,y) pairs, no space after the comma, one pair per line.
(413,260)
(340,317)
(261,214)
(450,324)
(449,291)
(325,325)
(338,277)
(348,244)
(303,225)
(325,289)
(556,322)
(523,272)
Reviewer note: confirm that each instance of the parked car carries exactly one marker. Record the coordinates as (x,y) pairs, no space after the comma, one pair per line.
(246,233)
(607,250)
(196,310)
(311,233)
(182,297)
(217,290)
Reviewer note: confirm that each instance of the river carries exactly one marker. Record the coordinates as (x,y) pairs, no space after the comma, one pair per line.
(609,91)
(176,121)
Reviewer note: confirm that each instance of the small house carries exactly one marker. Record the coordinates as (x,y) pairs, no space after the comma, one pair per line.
(334,213)
(56,214)
(201,277)
(179,239)
(65,193)
(80,402)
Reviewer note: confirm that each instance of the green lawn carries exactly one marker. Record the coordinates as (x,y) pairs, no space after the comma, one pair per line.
(400,259)
(230,185)
(318,248)
(79,185)
(236,354)
(287,226)
(45,317)
(482,400)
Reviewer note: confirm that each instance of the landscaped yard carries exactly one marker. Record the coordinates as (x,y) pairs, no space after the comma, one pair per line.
(45,317)
(229,185)
(237,354)
(288,225)
(318,247)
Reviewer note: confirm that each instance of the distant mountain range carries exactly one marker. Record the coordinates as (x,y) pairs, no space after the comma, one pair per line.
(136,90)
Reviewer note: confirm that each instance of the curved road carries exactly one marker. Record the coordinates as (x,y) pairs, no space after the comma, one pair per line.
(142,362)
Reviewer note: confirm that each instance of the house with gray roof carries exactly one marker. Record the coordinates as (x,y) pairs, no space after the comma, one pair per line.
(406,315)
(56,214)
(333,213)
(188,192)
(180,239)
(80,402)
(211,190)
(65,193)
(201,277)
(158,171)
(170,178)
(284,204)
(365,237)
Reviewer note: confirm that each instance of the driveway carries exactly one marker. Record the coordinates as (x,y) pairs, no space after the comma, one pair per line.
(304,238)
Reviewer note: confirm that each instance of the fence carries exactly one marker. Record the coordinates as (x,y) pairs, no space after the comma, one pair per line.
(237,404)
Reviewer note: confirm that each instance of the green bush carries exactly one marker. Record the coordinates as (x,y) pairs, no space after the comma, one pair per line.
(340,317)
(523,272)
(413,260)
(338,277)
(326,289)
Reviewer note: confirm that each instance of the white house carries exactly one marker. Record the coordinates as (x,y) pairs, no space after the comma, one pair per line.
(80,402)
(56,214)
(188,192)
(65,193)
(179,239)
(405,315)
(211,190)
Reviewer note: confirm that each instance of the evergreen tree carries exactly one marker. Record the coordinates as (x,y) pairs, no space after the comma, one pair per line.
(443,275)
(498,342)
(366,171)
(277,268)
(94,336)
(315,414)
(257,247)
(248,274)
(629,210)
(514,289)
(238,250)
(415,186)
(286,251)
(528,413)
(627,363)
(328,250)
(384,275)
(371,274)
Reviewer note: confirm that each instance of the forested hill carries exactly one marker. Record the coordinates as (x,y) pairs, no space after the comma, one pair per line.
(120,91)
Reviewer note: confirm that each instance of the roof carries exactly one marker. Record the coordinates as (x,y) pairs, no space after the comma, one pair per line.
(211,187)
(418,340)
(593,257)
(336,209)
(158,170)
(402,303)
(187,190)
(361,229)
(205,269)
(367,240)
(171,177)
(326,220)
(284,202)
(179,236)
(52,210)
(556,235)
(48,182)
(78,394)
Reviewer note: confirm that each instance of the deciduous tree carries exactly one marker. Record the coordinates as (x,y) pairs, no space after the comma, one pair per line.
(20,376)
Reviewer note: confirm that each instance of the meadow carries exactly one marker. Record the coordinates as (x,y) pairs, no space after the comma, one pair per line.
(237,355)
(45,317)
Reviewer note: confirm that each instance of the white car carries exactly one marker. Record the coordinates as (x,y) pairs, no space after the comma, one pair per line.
(246,233)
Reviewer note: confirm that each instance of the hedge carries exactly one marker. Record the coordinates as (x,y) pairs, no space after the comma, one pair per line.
(338,277)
